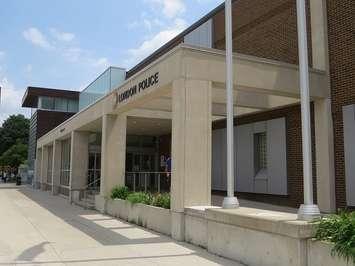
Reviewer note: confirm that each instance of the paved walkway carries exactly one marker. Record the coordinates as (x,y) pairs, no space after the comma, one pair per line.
(39,229)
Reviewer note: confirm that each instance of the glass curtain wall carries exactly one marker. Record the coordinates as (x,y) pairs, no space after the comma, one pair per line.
(58,104)
(65,163)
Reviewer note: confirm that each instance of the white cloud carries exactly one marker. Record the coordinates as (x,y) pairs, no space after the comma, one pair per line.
(11,99)
(170,8)
(159,39)
(36,37)
(73,54)
(101,62)
(28,68)
(62,36)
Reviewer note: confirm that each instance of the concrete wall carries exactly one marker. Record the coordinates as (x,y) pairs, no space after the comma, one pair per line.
(320,255)
(257,237)
(275,179)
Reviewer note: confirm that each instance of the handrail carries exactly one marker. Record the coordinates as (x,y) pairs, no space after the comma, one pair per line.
(164,172)
(146,175)
(84,190)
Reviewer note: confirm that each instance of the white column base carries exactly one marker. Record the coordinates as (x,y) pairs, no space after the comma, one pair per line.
(230,203)
(308,212)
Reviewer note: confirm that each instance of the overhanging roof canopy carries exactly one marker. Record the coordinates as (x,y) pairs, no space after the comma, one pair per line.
(30,98)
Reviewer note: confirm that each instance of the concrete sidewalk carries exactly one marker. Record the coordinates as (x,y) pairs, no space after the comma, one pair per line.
(40,229)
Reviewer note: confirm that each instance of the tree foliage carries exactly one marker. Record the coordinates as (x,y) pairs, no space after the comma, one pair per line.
(14,130)
(14,140)
(15,155)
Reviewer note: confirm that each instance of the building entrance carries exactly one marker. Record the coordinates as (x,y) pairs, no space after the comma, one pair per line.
(94,167)
(143,171)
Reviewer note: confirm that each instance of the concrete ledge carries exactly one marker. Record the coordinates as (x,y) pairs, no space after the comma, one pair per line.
(319,254)
(196,225)
(281,223)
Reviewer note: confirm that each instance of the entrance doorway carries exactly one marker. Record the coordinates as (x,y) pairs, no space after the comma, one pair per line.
(143,169)
(94,168)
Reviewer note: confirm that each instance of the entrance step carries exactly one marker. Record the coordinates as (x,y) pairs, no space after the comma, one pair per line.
(86,204)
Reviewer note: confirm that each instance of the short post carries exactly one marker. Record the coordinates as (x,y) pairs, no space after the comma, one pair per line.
(308,210)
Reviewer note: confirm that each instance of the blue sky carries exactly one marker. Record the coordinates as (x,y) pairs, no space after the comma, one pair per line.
(66,44)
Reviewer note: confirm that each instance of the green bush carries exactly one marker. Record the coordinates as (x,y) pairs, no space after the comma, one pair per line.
(119,192)
(340,230)
(140,197)
(162,200)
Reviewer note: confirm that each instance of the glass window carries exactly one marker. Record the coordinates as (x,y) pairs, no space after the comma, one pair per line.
(61,104)
(46,103)
(65,163)
(73,106)
(260,152)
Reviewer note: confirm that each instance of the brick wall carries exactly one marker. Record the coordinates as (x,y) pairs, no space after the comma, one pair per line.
(263,28)
(342,73)
(292,115)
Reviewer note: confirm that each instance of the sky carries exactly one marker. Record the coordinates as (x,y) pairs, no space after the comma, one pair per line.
(66,44)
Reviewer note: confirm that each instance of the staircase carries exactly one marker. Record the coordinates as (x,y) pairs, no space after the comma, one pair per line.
(85,197)
(88,200)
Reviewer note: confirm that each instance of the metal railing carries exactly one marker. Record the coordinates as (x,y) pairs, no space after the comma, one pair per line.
(90,189)
(148,181)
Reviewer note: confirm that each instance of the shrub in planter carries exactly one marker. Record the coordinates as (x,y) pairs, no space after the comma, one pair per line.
(340,230)
(140,197)
(119,192)
(162,200)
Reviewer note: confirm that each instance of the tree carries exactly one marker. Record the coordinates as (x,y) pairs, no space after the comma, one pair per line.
(14,156)
(14,130)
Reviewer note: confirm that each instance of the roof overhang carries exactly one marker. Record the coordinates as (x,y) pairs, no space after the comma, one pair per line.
(261,84)
(30,98)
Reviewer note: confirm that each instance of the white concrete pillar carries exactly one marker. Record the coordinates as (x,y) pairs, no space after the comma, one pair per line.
(56,165)
(113,152)
(191,149)
(324,156)
(44,168)
(79,156)
(38,166)
(322,111)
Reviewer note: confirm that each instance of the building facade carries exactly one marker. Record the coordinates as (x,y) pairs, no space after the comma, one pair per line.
(172,105)
(49,108)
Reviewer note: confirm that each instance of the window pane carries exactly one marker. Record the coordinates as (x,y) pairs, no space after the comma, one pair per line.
(73,106)
(46,103)
(65,163)
(61,104)
(260,152)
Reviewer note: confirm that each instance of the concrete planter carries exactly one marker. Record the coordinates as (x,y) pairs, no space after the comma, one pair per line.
(319,254)
(155,218)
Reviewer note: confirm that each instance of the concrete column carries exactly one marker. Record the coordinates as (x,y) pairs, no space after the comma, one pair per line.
(322,111)
(113,152)
(79,157)
(56,165)
(38,166)
(191,149)
(44,168)
(324,155)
